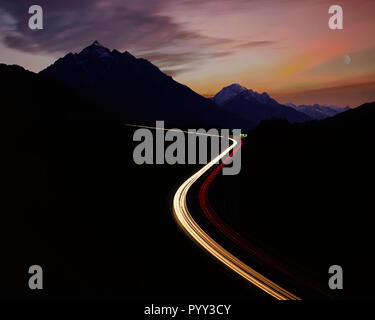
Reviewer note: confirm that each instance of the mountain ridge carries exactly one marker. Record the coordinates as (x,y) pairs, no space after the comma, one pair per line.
(140,91)
(317,111)
(255,106)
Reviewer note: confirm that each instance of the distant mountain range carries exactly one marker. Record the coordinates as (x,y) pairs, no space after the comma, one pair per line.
(318,112)
(254,106)
(137,90)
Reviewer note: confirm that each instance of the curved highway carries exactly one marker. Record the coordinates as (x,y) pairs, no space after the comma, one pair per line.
(191,228)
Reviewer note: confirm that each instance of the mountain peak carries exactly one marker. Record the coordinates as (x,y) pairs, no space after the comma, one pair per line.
(228,93)
(97,44)
(255,106)
(236,86)
(234,90)
(95,51)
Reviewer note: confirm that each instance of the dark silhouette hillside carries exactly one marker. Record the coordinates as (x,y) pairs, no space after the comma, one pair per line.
(76,204)
(306,195)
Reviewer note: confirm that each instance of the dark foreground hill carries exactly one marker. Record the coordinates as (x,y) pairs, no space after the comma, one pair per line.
(306,195)
(101,226)
(76,204)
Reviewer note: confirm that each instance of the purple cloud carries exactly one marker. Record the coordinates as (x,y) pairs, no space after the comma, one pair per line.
(140,26)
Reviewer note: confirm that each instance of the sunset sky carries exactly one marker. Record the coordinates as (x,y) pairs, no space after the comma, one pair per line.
(283,47)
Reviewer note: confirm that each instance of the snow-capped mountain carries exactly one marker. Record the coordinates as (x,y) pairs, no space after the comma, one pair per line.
(318,112)
(255,106)
(228,93)
(137,90)
(232,91)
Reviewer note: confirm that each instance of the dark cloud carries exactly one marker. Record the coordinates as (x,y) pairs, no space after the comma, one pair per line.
(190,60)
(177,71)
(135,25)
(71,24)
(254,44)
(170,59)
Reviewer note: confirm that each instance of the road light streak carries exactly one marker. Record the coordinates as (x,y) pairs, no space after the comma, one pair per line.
(191,228)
